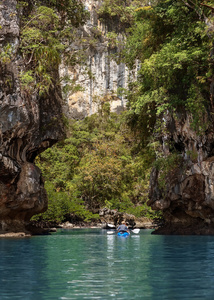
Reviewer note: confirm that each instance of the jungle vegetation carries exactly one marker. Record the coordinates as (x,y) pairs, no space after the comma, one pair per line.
(48,29)
(99,164)
(106,158)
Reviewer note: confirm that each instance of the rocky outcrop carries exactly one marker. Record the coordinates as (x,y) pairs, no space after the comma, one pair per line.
(184,191)
(109,216)
(28,125)
(186,195)
(101,77)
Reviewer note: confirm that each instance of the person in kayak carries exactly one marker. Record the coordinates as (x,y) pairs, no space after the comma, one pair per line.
(123,227)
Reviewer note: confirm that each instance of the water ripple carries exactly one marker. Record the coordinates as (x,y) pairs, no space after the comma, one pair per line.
(88,264)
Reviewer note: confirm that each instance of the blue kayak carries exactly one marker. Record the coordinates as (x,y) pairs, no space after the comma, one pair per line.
(123,233)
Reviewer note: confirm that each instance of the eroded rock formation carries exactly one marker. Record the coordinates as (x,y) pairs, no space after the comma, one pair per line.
(187,199)
(101,76)
(28,125)
(185,193)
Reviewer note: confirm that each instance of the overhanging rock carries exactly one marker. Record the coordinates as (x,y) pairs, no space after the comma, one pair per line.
(28,125)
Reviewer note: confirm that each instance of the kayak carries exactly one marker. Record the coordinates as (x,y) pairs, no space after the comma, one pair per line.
(123,233)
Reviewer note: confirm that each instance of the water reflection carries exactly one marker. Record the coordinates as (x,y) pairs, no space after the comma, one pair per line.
(19,270)
(89,264)
(179,267)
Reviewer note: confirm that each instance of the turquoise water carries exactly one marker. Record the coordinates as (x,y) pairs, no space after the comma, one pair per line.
(89,264)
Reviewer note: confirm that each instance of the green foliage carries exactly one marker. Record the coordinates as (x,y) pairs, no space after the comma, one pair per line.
(6,54)
(27,80)
(70,86)
(119,11)
(72,12)
(41,47)
(46,34)
(112,38)
(193,155)
(96,166)
(166,166)
(102,162)
(61,204)
(145,211)
(171,42)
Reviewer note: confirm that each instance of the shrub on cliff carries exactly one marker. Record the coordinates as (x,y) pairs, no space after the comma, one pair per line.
(172,44)
(47,30)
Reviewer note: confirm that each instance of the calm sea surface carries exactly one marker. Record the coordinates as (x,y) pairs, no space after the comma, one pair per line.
(89,264)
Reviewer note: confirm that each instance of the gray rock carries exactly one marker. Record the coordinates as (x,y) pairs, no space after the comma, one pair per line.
(187,198)
(28,125)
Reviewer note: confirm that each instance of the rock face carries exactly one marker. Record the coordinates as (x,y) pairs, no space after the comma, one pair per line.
(28,125)
(185,193)
(101,77)
(187,199)
(109,216)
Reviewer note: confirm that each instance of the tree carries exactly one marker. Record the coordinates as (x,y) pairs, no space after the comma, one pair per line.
(171,42)
(97,165)
(47,31)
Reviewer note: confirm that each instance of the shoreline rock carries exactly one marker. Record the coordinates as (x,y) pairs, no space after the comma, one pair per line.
(107,216)
(183,229)
(14,234)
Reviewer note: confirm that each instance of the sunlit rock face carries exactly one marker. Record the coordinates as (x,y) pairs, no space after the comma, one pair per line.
(28,125)
(100,77)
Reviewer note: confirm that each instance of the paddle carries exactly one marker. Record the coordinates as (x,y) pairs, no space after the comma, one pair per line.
(136,230)
(110,225)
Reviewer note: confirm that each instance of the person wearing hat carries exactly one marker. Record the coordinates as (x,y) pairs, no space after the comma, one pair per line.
(123,227)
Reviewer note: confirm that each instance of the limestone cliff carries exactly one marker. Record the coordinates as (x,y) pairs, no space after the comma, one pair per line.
(187,196)
(187,199)
(101,76)
(28,125)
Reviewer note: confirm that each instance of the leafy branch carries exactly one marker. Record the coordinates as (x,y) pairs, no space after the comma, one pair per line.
(45,39)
